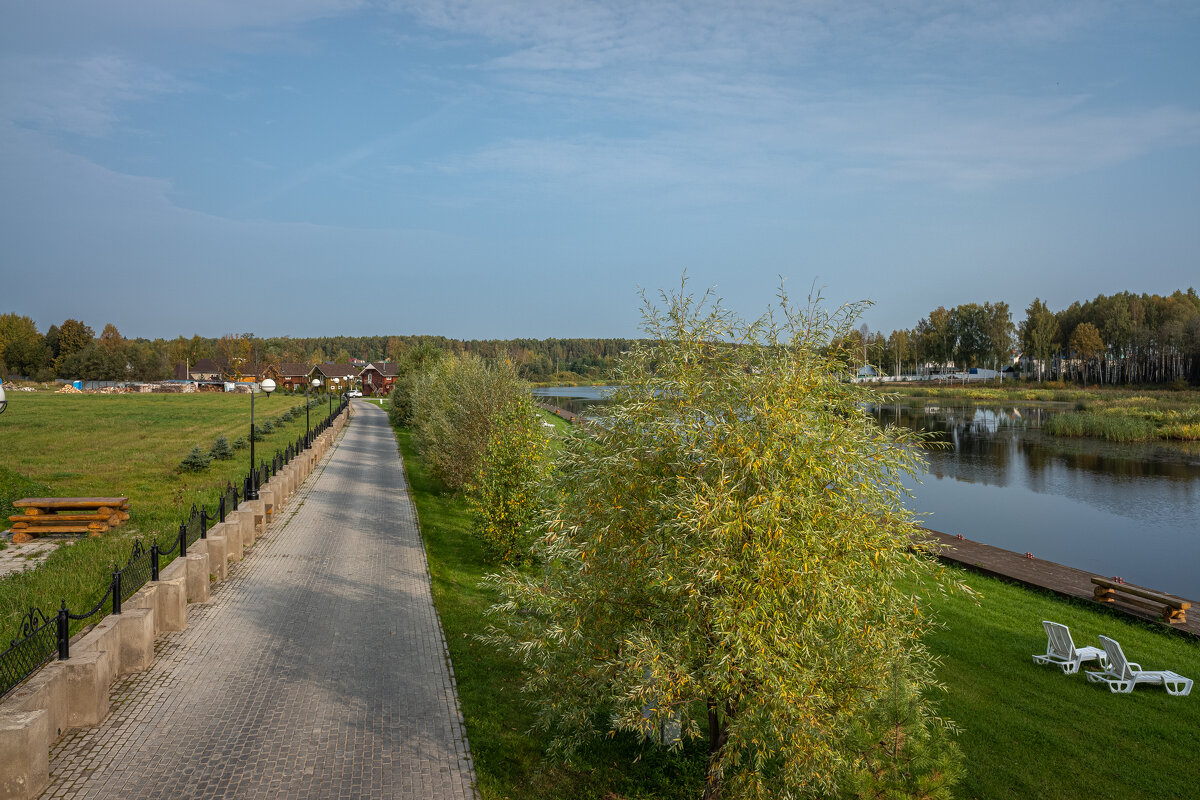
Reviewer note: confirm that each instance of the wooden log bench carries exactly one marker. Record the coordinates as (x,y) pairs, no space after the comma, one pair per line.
(1172,609)
(90,515)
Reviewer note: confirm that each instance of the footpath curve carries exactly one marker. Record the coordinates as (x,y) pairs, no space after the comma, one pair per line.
(318,669)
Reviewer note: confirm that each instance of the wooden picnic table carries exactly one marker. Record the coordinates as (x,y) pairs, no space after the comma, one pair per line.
(91,515)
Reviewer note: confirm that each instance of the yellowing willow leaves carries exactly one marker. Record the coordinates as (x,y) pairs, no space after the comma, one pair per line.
(723,560)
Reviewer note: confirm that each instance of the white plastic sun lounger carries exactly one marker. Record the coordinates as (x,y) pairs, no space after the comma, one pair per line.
(1062,651)
(1122,675)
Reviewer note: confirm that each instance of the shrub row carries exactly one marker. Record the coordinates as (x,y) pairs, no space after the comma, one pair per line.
(197,459)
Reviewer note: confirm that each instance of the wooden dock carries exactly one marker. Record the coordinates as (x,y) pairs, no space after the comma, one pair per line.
(569,416)
(1041,574)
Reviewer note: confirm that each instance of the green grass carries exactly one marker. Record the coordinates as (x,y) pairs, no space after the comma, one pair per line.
(120,445)
(1109,428)
(1027,731)
(1030,731)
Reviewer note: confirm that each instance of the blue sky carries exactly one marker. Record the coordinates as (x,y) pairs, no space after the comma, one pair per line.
(489,168)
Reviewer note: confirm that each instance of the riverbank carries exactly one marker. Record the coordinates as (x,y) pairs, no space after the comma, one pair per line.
(1035,573)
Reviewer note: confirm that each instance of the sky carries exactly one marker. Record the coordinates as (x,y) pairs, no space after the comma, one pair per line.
(501,168)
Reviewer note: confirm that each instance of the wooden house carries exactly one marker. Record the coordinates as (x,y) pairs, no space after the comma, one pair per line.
(377,378)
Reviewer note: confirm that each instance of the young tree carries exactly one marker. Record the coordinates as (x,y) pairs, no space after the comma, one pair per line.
(26,356)
(454,404)
(1038,333)
(503,494)
(111,339)
(1000,330)
(72,338)
(722,557)
(970,322)
(1087,346)
(16,328)
(938,337)
(234,354)
(412,363)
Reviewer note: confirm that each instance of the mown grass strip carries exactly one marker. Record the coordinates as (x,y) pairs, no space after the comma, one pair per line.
(1027,731)
(1030,731)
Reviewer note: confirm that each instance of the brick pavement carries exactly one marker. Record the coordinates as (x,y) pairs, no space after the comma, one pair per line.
(318,669)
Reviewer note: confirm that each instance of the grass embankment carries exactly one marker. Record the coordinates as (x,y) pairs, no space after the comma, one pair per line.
(1028,731)
(121,445)
(1117,415)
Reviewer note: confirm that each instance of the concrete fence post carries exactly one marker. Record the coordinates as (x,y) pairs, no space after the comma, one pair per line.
(24,754)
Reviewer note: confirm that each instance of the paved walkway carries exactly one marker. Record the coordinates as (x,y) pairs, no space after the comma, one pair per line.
(20,557)
(318,669)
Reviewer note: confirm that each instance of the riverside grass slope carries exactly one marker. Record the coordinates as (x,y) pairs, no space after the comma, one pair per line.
(115,445)
(1027,731)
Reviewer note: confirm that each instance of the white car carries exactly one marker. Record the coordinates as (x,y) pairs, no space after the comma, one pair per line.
(354,393)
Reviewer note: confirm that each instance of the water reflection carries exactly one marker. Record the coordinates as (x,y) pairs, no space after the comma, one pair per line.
(1127,509)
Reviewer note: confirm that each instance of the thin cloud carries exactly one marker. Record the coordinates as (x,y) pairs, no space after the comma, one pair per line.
(81,95)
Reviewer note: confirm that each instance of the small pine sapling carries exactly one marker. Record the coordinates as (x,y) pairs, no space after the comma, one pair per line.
(196,461)
(221,449)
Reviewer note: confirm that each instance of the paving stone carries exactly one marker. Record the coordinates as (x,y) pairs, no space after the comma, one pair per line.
(290,681)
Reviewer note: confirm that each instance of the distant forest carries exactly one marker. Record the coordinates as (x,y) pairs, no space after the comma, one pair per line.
(72,350)
(1122,338)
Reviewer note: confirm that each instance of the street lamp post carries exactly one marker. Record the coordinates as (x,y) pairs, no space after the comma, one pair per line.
(335,382)
(316,384)
(268,386)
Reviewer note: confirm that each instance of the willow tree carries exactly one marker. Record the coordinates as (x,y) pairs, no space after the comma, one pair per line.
(727,557)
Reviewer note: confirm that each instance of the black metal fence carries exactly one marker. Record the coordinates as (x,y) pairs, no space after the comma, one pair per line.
(41,637)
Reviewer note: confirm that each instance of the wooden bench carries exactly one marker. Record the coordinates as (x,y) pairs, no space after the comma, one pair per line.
(90,515)
(1172,609)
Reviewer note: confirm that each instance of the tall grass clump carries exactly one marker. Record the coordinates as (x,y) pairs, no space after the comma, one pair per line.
(1110,428)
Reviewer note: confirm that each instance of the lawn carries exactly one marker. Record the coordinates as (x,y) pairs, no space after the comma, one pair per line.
(114,445)
(1030,731)
(1027,731)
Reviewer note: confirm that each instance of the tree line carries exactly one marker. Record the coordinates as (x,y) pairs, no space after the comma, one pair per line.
(1120,338)
(72,350)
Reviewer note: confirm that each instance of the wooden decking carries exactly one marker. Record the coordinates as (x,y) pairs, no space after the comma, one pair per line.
(1041,574)
(556,411)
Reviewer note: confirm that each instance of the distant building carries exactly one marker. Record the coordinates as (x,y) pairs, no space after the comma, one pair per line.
(377,378)
(293,376)
(204,369)
(345,373)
